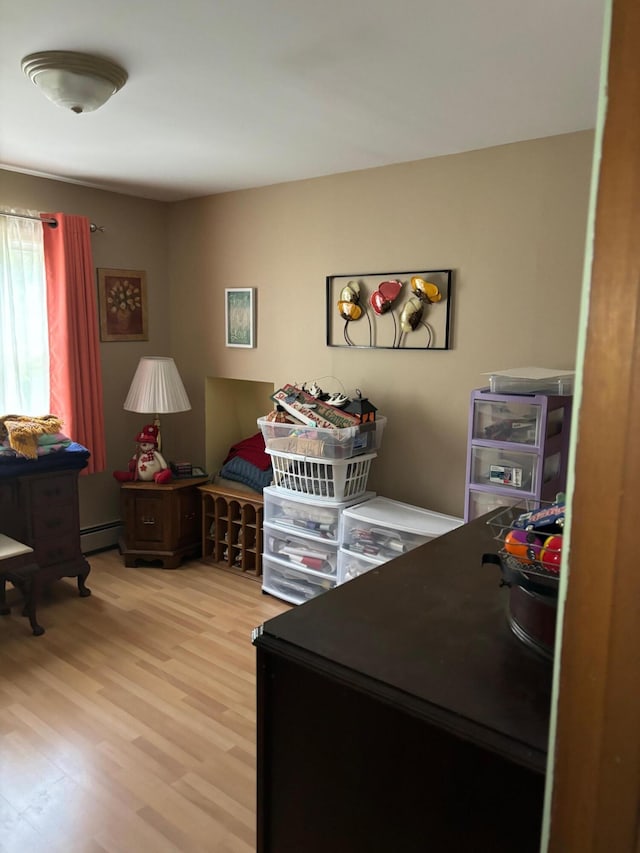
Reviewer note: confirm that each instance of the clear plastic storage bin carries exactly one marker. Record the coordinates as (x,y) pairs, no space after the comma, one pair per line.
(300,551)
(323,443)
(299,514)
(383,529)
(483,502)
(495,466)
(515,422)
(352,565)
(512,423)
(291,584)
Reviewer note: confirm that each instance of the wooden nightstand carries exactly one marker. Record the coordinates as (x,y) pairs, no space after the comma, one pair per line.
(162,522)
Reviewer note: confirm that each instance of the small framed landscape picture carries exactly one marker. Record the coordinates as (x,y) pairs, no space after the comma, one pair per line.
(239,316)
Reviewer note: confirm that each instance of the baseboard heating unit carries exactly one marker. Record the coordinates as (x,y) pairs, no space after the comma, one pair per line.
(100,537)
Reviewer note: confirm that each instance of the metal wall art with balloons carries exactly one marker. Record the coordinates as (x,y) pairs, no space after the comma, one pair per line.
(396,310)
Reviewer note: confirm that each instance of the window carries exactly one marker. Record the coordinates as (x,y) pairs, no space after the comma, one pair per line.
(24,347)
(49,346)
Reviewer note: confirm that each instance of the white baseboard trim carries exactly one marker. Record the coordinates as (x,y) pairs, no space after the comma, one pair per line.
(100,537)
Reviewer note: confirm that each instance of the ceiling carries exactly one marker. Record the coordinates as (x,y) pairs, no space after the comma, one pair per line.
(229,94)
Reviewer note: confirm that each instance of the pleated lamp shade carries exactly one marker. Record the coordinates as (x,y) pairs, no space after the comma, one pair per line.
(156,388)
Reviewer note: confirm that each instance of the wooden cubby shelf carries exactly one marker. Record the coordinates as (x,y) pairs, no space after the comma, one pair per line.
(232,529)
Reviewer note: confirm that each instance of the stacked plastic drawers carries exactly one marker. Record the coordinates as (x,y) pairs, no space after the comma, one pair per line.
(381,529)
(317,474)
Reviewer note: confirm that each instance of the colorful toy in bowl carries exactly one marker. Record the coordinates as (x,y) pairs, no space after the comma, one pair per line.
(551,553)
(522,545)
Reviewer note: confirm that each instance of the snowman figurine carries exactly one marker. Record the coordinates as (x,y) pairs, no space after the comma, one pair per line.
(148,464)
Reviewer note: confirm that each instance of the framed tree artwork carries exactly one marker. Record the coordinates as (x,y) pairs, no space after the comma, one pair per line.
(122,303)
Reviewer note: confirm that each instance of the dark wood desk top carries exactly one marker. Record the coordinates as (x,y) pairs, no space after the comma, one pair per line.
(428,631)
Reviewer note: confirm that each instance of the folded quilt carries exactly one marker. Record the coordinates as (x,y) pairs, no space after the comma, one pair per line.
(251,450)
(23,431)
(242,471)
(7,452)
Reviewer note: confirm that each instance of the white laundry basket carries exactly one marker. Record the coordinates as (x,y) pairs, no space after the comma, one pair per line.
(330,480)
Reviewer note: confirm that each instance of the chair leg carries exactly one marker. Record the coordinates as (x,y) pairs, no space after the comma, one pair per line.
(28,589)
(30,608)
(4,610)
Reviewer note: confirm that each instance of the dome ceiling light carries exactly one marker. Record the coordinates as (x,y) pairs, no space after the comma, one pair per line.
(75,81)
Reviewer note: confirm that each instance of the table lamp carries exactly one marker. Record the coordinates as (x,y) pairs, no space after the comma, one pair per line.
(157,389)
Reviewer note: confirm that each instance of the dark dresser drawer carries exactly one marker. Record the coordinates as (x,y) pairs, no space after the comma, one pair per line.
(58,490)
(12,516)
(52,520)
(50,550)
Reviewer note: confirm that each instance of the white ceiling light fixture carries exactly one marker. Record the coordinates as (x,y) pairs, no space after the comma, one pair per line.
(75,81)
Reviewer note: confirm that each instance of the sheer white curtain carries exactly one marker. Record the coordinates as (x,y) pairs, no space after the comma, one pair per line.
(24,348)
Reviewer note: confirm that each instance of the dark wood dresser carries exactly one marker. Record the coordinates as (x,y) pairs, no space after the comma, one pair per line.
(39,507)
(398,712)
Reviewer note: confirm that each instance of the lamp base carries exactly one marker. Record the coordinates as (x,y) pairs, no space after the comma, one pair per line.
(156,423)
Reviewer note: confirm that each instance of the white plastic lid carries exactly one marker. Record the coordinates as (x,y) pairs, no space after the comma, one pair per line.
(411,519)
(299,497)
(532,373)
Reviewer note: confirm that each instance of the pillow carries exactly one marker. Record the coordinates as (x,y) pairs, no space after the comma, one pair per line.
(241,471)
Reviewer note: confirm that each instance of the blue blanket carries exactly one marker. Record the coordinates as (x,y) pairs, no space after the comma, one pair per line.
(73,456)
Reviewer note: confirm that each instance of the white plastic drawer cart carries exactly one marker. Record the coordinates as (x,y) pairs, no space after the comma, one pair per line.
(300,541)
(377,531)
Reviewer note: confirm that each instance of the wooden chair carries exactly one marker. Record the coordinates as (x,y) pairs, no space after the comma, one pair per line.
(17,567)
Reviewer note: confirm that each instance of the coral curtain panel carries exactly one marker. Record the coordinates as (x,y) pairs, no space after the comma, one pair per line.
(74,355)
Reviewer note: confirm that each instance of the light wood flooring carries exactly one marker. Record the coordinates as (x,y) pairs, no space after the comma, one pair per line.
(130,725)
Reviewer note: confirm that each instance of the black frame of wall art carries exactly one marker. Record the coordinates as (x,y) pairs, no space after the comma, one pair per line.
(390,310)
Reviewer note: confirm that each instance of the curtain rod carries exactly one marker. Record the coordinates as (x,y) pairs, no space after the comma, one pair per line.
(92,227)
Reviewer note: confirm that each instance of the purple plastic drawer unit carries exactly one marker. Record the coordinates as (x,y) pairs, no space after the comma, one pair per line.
(517,449)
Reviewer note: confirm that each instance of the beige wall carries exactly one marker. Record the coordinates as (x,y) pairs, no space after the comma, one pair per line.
(135,237)
(509,220)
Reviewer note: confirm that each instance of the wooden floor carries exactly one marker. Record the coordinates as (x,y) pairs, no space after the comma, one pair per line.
(130,725)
